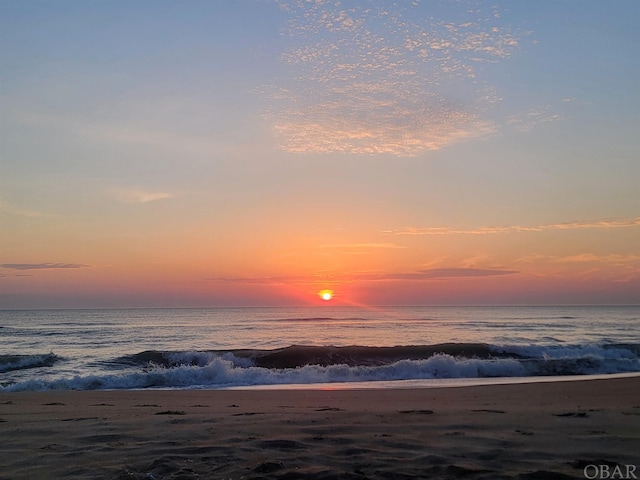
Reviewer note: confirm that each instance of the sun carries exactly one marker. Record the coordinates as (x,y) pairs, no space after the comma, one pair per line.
(325,295)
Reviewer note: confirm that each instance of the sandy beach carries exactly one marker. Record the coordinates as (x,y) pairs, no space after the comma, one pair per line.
(526,431)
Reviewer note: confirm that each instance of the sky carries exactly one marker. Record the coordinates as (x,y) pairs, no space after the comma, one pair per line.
(200,153)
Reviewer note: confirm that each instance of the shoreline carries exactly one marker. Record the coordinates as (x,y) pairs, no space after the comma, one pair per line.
(550,430)
(431,383)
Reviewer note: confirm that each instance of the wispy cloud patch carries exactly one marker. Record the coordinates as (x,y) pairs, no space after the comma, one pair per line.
(137,195)
(267,280)
(615,266)
(363,245)
(464,272)
(434,273)
(612,259)
(42,266)
(604,223)
(420,275)
(9,209)
(527,121)
(372,77)
(131,134)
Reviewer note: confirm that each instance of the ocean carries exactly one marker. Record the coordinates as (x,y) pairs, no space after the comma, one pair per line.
(327,346)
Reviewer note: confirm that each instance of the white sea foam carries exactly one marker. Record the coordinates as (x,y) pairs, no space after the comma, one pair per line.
(227,372)
(570,351)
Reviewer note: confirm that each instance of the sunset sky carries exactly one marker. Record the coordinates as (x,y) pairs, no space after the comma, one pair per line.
(203,153)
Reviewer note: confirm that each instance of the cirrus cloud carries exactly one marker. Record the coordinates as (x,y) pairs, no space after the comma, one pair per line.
(375,77)
(42,266)
(10,209)
(363,245)
(603,223)
(420,275)
(139,195)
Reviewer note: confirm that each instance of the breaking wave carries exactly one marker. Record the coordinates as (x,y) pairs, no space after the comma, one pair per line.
(299,364)
(9,363)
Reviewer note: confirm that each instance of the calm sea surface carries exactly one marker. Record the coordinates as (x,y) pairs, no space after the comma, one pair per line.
(226,347)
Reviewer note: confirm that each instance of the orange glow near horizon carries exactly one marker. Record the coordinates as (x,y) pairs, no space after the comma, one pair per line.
(326,294)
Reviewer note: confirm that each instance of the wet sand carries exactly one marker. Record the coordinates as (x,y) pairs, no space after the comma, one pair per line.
(524,431)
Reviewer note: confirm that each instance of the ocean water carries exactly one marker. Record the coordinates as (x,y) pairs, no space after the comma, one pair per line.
(266,347)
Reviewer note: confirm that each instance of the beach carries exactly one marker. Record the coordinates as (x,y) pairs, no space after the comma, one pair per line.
(547,430)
